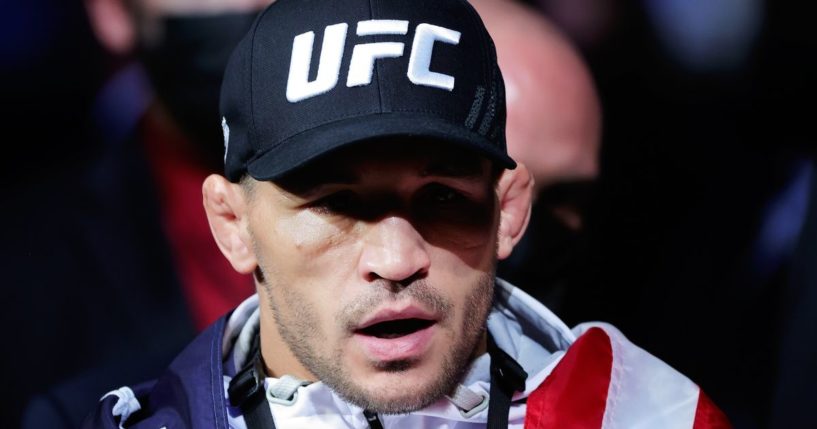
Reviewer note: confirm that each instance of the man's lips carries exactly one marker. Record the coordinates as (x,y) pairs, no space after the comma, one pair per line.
(396,333)
(396,313)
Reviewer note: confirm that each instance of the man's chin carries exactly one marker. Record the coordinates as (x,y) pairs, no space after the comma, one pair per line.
(394,390)
(396,367)
(391,401)
(399,405)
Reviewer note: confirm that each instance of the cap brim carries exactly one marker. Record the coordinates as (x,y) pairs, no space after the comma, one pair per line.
(297,151)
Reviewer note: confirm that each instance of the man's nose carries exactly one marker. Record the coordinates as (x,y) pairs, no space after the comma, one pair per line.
(393,250)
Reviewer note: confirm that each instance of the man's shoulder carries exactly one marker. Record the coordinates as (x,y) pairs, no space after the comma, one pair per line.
(189,394)
(604,380)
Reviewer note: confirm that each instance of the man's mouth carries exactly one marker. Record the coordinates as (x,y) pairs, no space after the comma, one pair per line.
(395,328)
(396,334)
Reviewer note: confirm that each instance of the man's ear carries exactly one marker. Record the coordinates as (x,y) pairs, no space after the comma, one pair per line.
(226,206)
(515,192)
(112,25)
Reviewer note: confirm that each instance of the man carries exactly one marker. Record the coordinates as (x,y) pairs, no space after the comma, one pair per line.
(369,191)
(554,128)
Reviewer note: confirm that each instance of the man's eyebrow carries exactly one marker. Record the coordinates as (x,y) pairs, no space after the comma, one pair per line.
(456,168)
(309,180)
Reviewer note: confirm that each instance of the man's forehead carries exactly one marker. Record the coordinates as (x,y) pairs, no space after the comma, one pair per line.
(421,158)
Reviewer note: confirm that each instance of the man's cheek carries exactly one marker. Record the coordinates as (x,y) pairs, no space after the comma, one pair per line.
(463,224)
(314,244)
(309,234)
(469,234)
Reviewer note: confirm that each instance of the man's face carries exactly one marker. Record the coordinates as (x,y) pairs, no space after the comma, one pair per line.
(377,269)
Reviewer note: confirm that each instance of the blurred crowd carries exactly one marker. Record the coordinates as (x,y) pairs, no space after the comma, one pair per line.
(670,140)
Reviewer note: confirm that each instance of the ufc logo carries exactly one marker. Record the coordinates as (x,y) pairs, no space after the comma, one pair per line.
(363,57)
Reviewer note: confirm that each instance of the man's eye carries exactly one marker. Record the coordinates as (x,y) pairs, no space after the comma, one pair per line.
(339,202)
(451,209)
(440,194)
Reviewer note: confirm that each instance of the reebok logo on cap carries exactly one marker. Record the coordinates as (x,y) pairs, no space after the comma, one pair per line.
(364,56)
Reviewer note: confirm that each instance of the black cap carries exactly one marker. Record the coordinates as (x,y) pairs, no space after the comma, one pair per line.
(301,83)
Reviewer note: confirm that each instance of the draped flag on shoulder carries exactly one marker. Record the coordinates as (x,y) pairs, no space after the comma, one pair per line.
(606,382)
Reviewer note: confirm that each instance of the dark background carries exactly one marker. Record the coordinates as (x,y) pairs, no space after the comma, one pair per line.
(702,236)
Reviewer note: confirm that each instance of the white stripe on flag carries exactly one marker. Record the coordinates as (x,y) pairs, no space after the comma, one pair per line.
(645,393)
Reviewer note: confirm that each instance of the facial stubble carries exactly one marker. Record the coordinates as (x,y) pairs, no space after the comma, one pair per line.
(299,325)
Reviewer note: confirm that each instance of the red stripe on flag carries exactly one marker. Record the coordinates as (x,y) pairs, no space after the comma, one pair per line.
(574,396)
(708,415)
